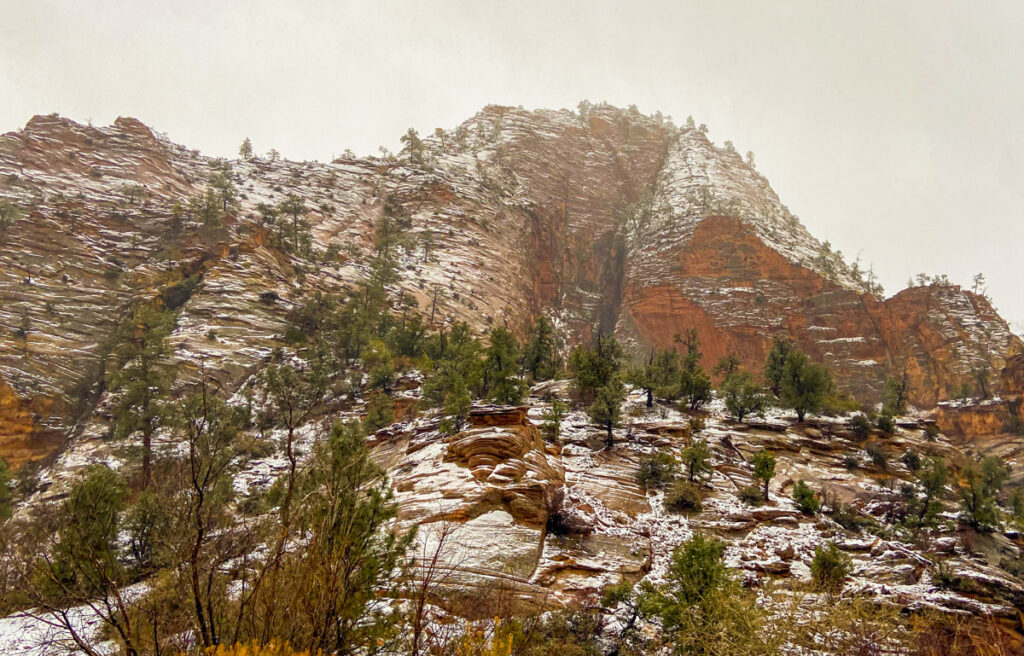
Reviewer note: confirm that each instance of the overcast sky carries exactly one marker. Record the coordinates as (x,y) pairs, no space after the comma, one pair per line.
(893,129)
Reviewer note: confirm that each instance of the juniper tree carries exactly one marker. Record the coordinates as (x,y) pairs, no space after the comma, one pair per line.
(978,484)
(932,478)
(742,394)
(354,550)
(660,375)
(804,384)
(85,567)
(694,384)
(702,608)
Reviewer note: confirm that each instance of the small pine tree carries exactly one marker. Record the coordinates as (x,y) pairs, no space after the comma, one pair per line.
(553,416)
(775,363)
(540,355)
(830,568)
(501,379)
(764,469)
(245,150)
(606,408)
(697,458)
(805,498)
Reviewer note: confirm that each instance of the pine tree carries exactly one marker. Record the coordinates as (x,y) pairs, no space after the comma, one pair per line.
(606,408)
(540,354)
(697,458)
(594,367)
(775,364)
(764,469)
(142,377)
(245,150)
(500,369)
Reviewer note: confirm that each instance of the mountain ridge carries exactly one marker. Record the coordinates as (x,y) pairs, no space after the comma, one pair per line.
(602,219)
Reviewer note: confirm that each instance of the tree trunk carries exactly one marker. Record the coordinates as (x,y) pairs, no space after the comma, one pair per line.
(650,397)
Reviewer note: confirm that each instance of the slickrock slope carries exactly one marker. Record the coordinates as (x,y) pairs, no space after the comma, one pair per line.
(602,219)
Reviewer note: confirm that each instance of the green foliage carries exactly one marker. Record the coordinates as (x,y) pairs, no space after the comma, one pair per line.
(540,359)
(694,384)
(500,376)
(245,150)
(695,387)
(140,376)
(775,364)
(683,496)
(742,394)
(877,456)
(697,458)
(553,416)
(978,484)
(932,476)
(726,366)
(851,462)
(594,367)
(9,213)
(354,550)
(751,494)
(657,471)
(380,412)
(294,235)
(764,469)
(829,568)
(860,425)
(607,405)
(886,423)
(660,376)
(805,498)
(456,405)
(894,396)
(911,459)
(86,560)
(804,385)
(702,608)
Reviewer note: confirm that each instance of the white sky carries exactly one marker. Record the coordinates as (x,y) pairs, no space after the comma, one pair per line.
(893,129)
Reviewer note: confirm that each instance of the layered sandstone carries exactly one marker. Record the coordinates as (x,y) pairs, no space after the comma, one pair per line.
(602,220)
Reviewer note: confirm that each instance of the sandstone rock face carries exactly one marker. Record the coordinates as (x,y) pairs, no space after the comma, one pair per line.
(602,220)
